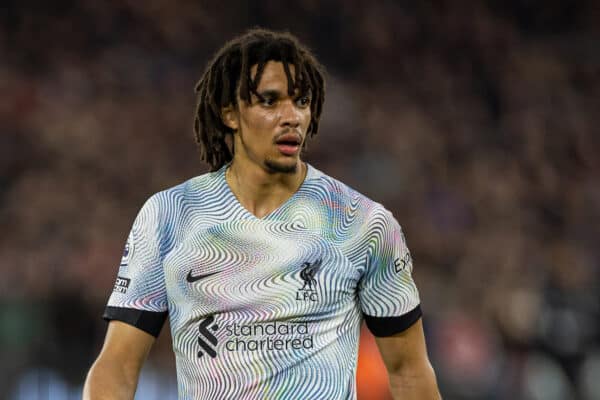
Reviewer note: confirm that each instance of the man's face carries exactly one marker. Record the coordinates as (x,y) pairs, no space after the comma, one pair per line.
(271,129)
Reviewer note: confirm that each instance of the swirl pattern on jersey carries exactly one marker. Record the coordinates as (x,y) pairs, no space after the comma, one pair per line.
(272,307)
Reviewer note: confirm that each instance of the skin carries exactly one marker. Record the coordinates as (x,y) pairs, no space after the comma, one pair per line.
(260,175)
(114,374)
(410,372)
(262,178)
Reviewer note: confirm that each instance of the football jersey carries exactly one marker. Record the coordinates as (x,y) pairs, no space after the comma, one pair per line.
(265,308)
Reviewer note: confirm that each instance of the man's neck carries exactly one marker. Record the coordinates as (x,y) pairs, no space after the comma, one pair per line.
(261,191)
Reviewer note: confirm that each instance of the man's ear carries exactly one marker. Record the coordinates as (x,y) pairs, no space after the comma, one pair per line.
(229,117)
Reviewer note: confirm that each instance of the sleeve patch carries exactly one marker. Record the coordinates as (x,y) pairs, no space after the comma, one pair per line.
(121,285)
(401,263)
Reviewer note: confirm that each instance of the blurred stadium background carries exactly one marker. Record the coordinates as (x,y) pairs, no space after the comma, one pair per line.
(472,121)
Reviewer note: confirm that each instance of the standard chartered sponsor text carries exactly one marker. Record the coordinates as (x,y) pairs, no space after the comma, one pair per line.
(268,336)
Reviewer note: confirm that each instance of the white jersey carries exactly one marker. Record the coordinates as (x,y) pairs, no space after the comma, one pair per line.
(265,308)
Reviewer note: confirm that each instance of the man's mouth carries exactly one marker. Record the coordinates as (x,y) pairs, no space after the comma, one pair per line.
(289,143)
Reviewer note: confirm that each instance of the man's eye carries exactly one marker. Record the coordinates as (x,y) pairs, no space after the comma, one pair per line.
(303,101)
(268,101)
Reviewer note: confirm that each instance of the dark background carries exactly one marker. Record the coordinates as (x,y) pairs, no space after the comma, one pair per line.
(476,123)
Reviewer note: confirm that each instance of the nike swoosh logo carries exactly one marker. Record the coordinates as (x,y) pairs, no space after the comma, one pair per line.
(190,278)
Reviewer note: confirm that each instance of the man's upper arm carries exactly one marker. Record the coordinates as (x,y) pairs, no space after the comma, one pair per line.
(405,357)
(404,348)
(389,298)
(139,296)
(127,344)
(115,372)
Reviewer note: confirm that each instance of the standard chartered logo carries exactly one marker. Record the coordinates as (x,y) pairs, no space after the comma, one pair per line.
(271,336)
(268,336)
(205,336)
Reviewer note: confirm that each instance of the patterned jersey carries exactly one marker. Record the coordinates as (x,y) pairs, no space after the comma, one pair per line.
(265,308)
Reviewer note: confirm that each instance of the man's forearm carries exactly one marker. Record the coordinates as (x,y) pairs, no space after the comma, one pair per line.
(417,384)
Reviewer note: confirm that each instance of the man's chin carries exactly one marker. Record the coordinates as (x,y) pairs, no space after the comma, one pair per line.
(288,167)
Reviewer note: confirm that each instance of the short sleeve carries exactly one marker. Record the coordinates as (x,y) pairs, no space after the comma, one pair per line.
(389,298)
(139,297)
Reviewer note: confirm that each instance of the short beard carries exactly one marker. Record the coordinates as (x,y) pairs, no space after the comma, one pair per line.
(281,168)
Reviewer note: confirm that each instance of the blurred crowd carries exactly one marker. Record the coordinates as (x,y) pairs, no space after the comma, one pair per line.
(471,121)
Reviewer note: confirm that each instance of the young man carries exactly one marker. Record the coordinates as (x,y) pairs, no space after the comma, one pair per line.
(265,266)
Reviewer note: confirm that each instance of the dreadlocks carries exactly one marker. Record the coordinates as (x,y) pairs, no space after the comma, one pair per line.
(229,71)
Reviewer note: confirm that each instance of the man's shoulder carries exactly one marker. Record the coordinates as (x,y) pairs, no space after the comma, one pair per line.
(340,190)
(206,182)
(193,189)
(368,215)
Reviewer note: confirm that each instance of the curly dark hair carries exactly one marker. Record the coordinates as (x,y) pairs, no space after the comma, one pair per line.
(228,74)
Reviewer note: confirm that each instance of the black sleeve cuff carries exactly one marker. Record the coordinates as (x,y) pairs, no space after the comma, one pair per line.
(148,321)
(388,326)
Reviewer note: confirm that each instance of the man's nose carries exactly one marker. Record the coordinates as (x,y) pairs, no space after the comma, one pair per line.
(290,114)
